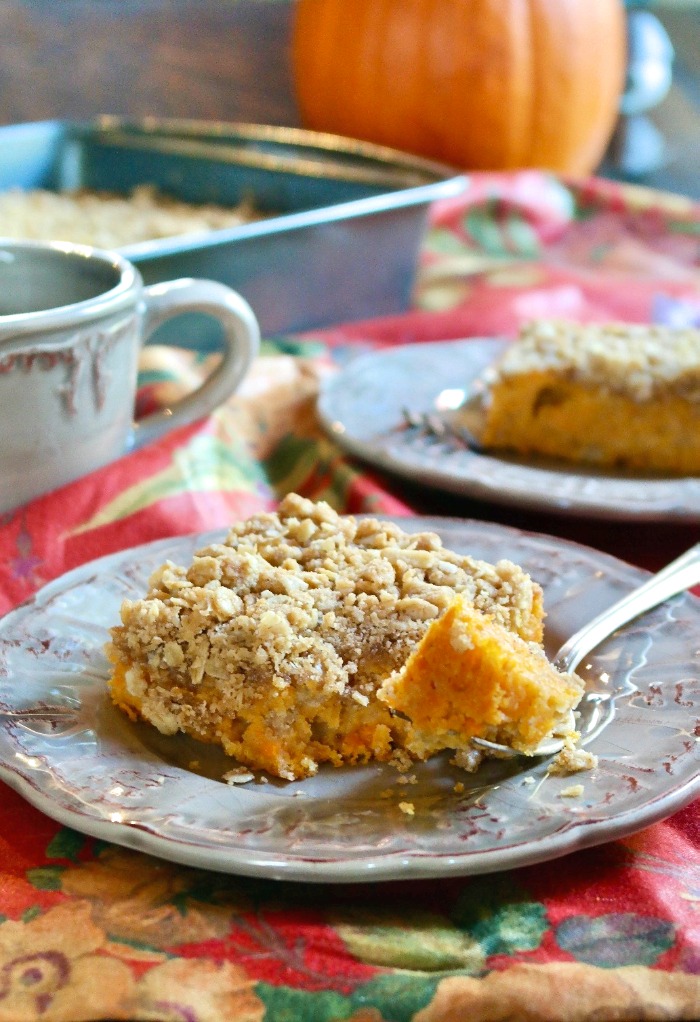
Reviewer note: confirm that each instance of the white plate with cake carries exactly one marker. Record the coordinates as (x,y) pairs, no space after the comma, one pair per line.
(131,782)
(629,426)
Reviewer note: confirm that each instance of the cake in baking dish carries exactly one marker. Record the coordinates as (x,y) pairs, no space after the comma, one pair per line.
(614,395)
(290,645)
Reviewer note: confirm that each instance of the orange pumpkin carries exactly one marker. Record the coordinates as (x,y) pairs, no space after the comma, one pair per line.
(479,84)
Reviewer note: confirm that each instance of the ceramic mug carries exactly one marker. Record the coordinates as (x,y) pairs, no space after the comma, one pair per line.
(73,320)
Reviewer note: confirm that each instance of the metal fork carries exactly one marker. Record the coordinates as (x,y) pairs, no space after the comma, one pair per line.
(676,577)
(440,427)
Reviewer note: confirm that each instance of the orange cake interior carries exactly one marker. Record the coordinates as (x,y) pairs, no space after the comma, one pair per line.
(470,676)
(615,395)
(276,643)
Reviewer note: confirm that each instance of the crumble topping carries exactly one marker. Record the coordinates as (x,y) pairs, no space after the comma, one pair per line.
(303,593)
(109,220)
(638,360)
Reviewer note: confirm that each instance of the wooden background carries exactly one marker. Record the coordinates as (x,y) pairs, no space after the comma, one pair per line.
(211,59)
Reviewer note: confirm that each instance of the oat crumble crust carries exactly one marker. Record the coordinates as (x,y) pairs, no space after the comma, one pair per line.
(275,642)
(642,361)
(110,220)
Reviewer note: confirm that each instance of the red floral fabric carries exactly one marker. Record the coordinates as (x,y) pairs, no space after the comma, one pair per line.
(95,931)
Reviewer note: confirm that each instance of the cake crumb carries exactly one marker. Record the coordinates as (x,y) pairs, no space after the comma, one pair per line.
(458,788)
(572,760)
(401,760)
(528,780)
(573,791)
(408,808)
(238,775)
(468,760)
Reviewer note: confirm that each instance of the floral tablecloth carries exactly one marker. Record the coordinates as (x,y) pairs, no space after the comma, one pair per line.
(90,930)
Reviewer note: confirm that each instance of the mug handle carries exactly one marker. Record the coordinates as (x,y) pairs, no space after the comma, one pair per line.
(241,343)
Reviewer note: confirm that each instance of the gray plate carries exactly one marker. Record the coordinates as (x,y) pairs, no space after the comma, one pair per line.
(98,773)
(361,407)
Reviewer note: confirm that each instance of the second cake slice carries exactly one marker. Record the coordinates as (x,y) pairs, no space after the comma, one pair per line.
(613,395)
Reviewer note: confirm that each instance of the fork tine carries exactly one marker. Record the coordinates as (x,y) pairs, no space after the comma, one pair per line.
(41,712)
(468,439)
(435,426)
(412,419)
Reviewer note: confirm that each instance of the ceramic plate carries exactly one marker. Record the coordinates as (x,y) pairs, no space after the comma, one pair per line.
(100,774)
(362,408)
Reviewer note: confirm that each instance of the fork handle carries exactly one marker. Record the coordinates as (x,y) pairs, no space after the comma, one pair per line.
(675,578)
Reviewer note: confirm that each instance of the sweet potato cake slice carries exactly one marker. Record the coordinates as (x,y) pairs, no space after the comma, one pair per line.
(274,643)
(614,395)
